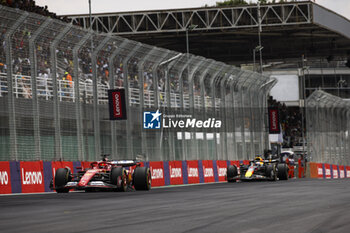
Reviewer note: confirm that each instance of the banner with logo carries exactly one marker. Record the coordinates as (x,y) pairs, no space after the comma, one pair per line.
(274,121)
(327,170)
(335,171)
(192,172)
(157,172)
(117,105)
(347,171)
(5,178)
(341,172)
(208,171)
(221,169)
(175,171)
(32,177)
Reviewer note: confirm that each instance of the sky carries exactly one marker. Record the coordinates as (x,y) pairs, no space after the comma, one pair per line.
(64,7)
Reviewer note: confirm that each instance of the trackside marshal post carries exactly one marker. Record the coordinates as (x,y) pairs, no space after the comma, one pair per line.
(117,105)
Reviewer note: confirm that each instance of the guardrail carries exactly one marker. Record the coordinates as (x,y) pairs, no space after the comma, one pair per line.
(22,88)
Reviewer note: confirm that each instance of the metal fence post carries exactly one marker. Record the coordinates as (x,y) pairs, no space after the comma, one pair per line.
(205,155)
(213,82)
(192,104)
(33,72)
(78,110)
(11,100)
(112,85)
(130,148)
(97,131)
(56,107)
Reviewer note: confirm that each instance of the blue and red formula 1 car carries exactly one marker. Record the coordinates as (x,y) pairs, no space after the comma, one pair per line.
(258,169)
(104,175)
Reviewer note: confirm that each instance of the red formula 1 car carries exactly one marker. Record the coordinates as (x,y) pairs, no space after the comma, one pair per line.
(104,175)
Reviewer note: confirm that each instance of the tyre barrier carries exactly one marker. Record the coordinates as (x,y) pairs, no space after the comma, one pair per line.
(35,176)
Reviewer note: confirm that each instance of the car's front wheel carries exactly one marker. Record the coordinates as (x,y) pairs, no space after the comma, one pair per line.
(118,178)
(231,173)
(142,178)
(62,177)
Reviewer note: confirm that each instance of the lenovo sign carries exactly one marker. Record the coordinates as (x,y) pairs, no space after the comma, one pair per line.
(274,121)
(117,105)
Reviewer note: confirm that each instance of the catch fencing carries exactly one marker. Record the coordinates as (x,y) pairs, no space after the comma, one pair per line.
(327,122)
(54,79)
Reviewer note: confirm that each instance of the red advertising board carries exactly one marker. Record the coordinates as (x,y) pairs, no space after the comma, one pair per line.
(117,106)
(335,172)
(341,172)
(85,165)
(61,164)
(327,171)
(274,123)
(32,177)
(192,172)
(157,172)
(222,169)
(175,170)
(347,171)
(319,171)
(208,171)
(5,178)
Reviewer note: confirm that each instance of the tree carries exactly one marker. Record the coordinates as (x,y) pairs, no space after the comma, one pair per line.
(231,3)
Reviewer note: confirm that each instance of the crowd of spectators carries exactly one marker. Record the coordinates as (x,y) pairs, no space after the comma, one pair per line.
(291,123)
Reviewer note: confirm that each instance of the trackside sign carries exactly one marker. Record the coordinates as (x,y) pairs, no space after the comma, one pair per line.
(5,179)
(117,105)
(32,178)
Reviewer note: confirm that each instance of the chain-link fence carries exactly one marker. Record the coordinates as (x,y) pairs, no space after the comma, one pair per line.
(54,79)
(327,118)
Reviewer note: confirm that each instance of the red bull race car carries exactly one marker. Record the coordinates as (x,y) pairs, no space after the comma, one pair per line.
(104,175)
(258,169)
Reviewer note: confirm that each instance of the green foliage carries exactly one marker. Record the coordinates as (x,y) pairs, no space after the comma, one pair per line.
(232,3)
(243,2)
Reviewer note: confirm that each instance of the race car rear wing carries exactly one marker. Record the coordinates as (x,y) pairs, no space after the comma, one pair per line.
(126,163)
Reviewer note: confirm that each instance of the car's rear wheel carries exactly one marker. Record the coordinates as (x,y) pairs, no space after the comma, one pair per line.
(62,177)
(118,178)
(142,178)
(231,173)
(271,172)
(282,171)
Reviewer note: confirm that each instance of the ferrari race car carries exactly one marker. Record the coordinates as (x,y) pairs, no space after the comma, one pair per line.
(258,169)
(104,175)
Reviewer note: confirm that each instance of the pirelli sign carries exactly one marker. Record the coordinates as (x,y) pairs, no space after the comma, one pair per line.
(117,104)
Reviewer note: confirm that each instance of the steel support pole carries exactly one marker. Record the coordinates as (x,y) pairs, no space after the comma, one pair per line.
(56,105)
(11,100)
(97,130)
(33,72)
(122,46)
(213,83)
(192,100)
(78,110)
(182,104)
(129,127)
(192,104)
(205,155)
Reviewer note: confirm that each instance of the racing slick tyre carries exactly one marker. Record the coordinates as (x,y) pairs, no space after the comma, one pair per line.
(271,172)
(118,178)
(231,173)
(142,178)
(62,177)
(282,171)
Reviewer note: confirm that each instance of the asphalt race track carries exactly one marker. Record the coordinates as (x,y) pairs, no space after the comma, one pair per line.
(282,206)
